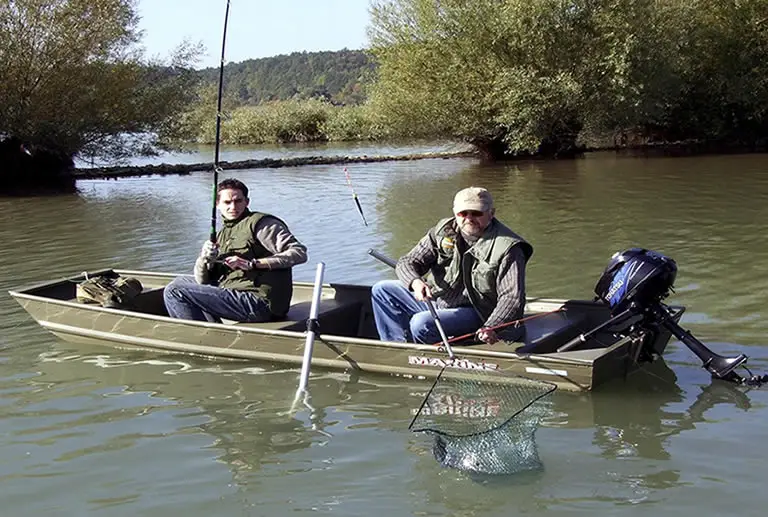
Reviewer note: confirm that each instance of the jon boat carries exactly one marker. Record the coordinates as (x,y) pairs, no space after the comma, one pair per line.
(570,343)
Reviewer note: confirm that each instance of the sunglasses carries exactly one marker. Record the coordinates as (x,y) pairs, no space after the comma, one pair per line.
(473,213)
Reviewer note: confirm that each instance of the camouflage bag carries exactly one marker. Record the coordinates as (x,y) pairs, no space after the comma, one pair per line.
(114,292)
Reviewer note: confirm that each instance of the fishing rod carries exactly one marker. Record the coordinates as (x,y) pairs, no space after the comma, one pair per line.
(505,325)
(354,196)
(216,167)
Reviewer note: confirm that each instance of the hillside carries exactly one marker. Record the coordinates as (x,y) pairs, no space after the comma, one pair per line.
(338,76)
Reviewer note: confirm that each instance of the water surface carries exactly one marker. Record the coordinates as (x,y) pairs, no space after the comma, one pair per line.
(91,430)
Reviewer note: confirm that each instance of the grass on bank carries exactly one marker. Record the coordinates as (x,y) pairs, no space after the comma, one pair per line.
(288,121)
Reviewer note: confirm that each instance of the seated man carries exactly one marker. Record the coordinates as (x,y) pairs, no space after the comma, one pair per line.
(471,265)
(244,276)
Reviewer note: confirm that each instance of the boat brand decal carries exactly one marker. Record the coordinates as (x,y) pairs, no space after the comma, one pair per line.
(459,364)
(546,371)
(615,288)
(466,407)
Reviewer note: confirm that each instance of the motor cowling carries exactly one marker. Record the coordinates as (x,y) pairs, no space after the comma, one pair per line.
(636,275)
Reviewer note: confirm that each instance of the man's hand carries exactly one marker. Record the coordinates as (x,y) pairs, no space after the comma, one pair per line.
(210,251)
(235,262)
(487,335)
(421,290)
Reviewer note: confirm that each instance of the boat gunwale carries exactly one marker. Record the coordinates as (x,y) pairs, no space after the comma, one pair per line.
(469,351)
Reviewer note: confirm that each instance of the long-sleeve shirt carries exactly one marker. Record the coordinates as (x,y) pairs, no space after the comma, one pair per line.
(286,250)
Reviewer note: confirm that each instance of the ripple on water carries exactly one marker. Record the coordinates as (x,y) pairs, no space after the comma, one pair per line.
(144,433)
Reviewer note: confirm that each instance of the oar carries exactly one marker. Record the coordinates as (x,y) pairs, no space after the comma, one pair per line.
(312,328)
(382,258)
(216,167)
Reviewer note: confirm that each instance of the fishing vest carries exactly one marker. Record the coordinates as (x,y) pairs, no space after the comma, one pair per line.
(239,238)
(477,266)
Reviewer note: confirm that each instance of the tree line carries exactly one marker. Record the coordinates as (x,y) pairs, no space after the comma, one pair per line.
(541,77)
(338,77)
(544,77)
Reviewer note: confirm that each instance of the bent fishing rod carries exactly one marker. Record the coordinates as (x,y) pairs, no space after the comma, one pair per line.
(216,167)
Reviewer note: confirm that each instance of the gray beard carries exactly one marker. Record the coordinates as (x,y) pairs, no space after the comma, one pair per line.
(470,239)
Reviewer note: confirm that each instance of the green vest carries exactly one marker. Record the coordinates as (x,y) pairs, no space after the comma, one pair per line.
(477,266)
(238,237)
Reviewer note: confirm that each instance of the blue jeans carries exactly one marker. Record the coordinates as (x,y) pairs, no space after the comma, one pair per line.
(186,299)
(400,317)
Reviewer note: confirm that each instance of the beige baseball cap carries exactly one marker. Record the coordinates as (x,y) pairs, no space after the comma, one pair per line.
(472,198)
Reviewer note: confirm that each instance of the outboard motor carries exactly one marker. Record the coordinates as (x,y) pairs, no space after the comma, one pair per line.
(636,276)
(634,284)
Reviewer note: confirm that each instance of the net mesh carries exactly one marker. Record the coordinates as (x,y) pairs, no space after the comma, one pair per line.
(484,426)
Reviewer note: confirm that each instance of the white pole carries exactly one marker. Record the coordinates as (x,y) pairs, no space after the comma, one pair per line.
(310,342)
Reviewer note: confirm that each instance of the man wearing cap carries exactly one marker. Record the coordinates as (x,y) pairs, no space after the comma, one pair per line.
(471,265)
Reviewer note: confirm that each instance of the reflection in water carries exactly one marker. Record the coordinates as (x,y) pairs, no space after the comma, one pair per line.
(124,435)
(632,429)
(357,426)
(637,417)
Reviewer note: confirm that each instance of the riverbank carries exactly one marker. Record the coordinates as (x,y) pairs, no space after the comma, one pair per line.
(187,168)
(686,148)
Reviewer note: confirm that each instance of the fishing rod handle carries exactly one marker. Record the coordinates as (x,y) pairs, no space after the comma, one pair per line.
(383,258)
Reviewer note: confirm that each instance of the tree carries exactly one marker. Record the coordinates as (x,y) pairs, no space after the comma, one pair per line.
(723,59)
(533,76)
(73,80)
(498,73)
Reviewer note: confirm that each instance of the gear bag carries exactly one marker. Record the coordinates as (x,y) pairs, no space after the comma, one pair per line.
(114,292)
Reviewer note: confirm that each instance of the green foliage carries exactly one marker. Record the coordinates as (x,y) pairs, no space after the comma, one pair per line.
(309,120)
(72,79)
(724,92)
(338,77)
(526,76)
(302,97)
(355,123)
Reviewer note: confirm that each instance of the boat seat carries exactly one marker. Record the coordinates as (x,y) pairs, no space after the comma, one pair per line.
(543,335)
(297,316)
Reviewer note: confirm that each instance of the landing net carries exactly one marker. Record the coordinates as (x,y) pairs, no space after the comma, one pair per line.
(482,426)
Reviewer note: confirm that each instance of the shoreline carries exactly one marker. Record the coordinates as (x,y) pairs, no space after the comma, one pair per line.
(165,169)
(668,149)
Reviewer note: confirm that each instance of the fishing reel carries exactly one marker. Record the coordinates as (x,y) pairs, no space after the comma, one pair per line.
(633,285)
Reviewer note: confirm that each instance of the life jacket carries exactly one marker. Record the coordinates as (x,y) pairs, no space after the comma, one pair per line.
(477,266)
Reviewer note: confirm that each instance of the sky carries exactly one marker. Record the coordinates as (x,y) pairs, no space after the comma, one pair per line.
(256,28)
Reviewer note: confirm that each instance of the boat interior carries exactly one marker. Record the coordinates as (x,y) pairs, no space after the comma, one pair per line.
(345,310)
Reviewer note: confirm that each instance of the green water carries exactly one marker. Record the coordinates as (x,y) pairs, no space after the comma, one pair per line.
(90,430)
